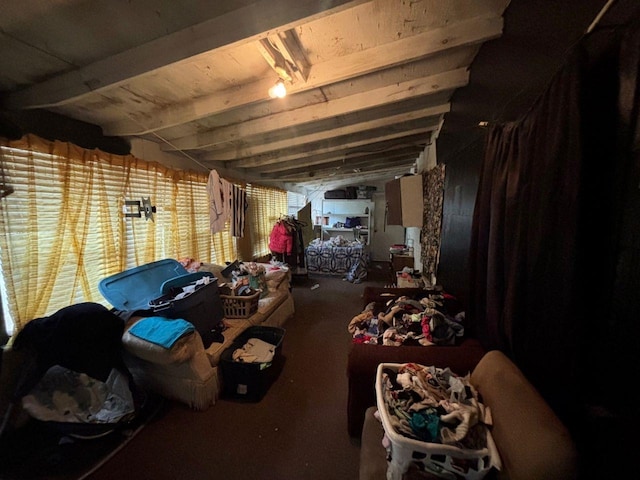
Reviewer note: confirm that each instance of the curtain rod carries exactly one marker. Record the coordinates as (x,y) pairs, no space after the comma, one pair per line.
(601,14)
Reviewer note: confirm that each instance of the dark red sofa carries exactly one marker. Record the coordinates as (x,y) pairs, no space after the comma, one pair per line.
(364,359)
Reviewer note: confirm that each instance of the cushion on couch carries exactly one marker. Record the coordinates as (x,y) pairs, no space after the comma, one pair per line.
(183,349)
(363,361)
(532,441)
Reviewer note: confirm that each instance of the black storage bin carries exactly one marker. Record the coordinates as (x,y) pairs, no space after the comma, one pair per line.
(250,381)
(335,194)
(351,192)
(203,308)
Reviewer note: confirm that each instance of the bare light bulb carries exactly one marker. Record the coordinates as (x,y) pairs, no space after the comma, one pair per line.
(278,90)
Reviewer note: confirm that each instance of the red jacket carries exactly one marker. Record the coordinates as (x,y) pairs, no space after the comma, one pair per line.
(281,239)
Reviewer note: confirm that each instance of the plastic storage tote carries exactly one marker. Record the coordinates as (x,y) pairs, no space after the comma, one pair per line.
(250,381)
(153,288)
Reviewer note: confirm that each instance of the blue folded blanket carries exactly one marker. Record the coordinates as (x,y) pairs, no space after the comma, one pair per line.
(161,331)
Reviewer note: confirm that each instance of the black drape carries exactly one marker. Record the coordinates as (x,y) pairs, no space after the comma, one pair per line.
(546,225)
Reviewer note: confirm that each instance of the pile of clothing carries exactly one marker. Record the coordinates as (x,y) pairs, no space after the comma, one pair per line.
(254,350)
(435,405)
(408,321)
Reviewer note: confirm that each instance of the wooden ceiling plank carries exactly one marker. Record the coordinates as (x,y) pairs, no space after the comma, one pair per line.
(469,32)
(296,140)
(402,51)
(333,157)
(373,98)
(288,44)
(388,172)
(275,59)
(371,161)
(246,24)
(256,162)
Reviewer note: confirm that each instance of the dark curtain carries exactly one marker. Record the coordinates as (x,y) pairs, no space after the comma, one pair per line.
(547,224)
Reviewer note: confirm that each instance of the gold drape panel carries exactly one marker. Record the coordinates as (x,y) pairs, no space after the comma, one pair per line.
(63,229)
(266,206)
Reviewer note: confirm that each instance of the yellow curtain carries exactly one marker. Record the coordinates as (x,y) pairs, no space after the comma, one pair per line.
(63,229)
(266,206)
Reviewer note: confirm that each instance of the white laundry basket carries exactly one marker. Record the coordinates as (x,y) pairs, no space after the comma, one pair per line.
(445,461)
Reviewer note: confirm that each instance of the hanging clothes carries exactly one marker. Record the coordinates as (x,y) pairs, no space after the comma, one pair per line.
(281,238)
(240,205)
(219,209)
(227,202)
(286,242)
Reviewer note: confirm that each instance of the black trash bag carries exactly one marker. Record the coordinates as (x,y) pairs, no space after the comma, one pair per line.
(85,338)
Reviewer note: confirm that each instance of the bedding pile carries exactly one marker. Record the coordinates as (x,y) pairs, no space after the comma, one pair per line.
(338,256)
(337,241)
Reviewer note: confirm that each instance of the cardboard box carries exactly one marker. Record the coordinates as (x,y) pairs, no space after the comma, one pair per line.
(405,280)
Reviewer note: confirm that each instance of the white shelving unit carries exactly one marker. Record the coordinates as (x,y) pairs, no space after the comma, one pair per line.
(335,213)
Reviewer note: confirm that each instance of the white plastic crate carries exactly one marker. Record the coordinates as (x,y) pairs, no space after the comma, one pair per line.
(445,461)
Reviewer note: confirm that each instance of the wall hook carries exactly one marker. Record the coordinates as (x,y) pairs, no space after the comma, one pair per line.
(139,207)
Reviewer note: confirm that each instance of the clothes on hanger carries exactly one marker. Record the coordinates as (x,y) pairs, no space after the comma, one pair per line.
(286,242)
(227,202)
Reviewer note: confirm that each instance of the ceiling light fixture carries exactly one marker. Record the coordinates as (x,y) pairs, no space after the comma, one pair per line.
(278,90)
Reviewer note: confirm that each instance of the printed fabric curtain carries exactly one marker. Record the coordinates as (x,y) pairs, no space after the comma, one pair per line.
(555,191)
(433,188)
(63,228)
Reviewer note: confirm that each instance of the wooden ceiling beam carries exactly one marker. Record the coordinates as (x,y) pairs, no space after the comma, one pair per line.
(293,140)
(310,162)
(389,172)
(241,26)
(469,32)
(342,106)
(418,136)
(422,135)
(373,161)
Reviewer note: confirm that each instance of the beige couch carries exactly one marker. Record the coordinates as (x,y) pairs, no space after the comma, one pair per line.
(190,373)
(532,442)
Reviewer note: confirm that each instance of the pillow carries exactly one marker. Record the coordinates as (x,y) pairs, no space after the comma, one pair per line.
(275,278)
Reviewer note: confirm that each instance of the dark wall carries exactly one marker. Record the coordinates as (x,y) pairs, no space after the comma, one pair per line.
(51,126)
(462,167)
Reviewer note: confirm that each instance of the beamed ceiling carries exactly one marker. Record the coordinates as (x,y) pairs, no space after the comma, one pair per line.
(370,83)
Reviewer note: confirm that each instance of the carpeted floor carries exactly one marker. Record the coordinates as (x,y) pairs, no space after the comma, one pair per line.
(297,431)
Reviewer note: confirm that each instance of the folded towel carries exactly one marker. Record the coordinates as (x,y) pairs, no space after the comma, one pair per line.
(161,331)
